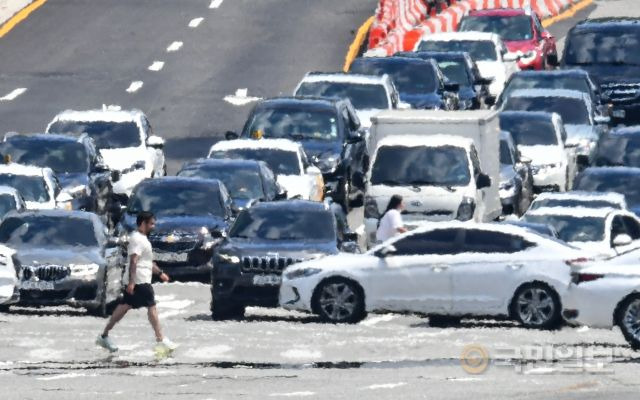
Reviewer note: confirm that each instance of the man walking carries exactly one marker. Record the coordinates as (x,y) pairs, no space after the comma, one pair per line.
(137,278)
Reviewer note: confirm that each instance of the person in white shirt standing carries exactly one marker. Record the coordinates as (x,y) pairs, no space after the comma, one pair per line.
(391,221)
(137,279)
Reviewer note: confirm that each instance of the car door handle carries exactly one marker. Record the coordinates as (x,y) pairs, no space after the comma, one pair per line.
(515,267)
(439,268)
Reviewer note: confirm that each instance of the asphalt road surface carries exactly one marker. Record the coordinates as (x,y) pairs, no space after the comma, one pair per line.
(81,54)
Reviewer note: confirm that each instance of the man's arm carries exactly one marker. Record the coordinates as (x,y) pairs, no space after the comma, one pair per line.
(133,264)
(156,270)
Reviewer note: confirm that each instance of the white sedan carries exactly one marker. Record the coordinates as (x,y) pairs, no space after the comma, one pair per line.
(607,294)
(9,293)
(444,270)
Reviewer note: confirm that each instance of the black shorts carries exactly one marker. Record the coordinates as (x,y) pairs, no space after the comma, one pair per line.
(143,296)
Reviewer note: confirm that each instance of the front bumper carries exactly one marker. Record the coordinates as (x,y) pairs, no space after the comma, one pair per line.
(296,295)
(72,292)
(545,179)
(194,264)
(234,286)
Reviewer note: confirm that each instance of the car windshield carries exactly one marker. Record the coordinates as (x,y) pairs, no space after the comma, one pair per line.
(48,231)
(409,75)
(455,71)
(572,228)
(61,157)
(281,162)
(284,224)
(32,188)
(7,203)
(530,132)
(546,81)
(516,27)
(603,47)
(619,150)
(626,184)
(362,96)
(572,203)
(242,183)
(107,135)
(505,153)
(294,123)
(573,111)
(479,50)
(420,166)
(177,200)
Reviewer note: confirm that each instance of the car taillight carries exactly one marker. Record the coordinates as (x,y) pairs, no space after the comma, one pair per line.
(579,278)
(578,261)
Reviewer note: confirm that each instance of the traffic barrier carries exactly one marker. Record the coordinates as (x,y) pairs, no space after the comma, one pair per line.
(400,24)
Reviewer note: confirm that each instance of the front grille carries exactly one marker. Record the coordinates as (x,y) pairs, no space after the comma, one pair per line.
(622,92)
(269,265)
(432,213)
(46,272)
(175,247)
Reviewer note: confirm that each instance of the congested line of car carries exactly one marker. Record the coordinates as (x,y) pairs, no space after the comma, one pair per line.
(471,128)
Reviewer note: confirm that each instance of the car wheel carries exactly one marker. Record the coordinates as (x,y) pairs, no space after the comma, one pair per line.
(443,321)
(628,319)
(537,306)
(339,300)
(224,311)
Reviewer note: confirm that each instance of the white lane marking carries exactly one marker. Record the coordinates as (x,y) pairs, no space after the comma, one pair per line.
(194,23)
(156,66)
(134,87)
(385,386)
(292,394)
(175,46)
(240,98)
(302,353)
(582,329)
(215,3)
(15,93)
(375,320)
(63,376)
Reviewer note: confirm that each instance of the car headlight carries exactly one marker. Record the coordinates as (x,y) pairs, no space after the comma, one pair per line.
(371,208)
(302,273)
(228,258)
(83,270)
(529,57)
(466,209)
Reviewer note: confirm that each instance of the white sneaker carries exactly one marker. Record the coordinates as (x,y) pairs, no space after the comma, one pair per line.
(106,343)
(168,344)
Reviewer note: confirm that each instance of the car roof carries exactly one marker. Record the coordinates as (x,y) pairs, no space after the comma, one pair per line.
(107,113)
(55,213)
(218,162)
(438,55)
(274,144)
(610,171)
(43,137)
(581,195)
(343,77)
(519,115)
(625,131)
(306,101)
(475,36)
(507,12)
(422,116)
(556,72)
(573,94)
(469,225)
(608,23)
(574,212)
(21,169)
(428,141)
(287,205)
(179,181)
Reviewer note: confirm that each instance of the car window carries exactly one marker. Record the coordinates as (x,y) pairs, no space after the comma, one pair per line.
(481,241)
(440,241)
(632,227)
(617,227)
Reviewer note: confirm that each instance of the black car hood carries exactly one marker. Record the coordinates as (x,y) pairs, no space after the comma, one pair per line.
(79,255)
(422,101)
(181,223)
(71,180)
(322,148)
(612,74)
(294,249)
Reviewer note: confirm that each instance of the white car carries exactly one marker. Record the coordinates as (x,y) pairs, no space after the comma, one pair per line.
(9,279)
(604,232)
(125,140)
(486,49)
(583,126)
(579,198)
(442,269)
(605,294)
(369,94)
(10,200)
(38,186)
(286,159)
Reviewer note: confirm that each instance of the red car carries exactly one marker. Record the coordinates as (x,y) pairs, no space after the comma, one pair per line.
(521,31)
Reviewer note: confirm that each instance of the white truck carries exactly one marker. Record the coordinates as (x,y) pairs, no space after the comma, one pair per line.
(445,166)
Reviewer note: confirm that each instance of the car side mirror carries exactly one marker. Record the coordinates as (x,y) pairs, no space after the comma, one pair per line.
(350,236)
(601,119)
(484,81)
(490,101)
(281,195)
(511,57)
(356,136)
(483,181)
(155,142)
(622,240)
(100,168)
(230,135)
(115,176)
(452,86)
(385,251)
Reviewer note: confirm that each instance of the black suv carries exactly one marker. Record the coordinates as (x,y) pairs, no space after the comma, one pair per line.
(192,216)
(607,48)
(78,166)
(263,241)
(330,133)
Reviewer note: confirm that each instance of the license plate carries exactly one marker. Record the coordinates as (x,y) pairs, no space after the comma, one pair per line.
(619,113)
(171,257)
(267,280)
(36,285)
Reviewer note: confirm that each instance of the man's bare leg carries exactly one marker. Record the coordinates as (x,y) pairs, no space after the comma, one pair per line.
(152,313)
(116,316)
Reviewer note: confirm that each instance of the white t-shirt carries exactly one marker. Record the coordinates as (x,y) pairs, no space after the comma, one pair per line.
(140,245)
(389,224)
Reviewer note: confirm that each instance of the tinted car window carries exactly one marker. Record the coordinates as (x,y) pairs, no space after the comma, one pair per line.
(505,154)
(281,162)
(409,76)
(7,203)
(572,228)
(632,227)
(572,203)
(362,96)
(530,132)
(441,241)
(61,157)
(626,184)
(479,241)
(242,183)
(294,123)
(479,50)
(546,81)
(280,224)
(48,231)
(177,200)
(603,47)
(573,111)
(107,135)
(32,188)
(509,28)
(621,150)
(456,71)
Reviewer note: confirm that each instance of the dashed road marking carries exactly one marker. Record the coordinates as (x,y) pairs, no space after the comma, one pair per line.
(194,23)
(215,3)
(156,66)
(15,93)
(134,87)
(240,98)
(175,46)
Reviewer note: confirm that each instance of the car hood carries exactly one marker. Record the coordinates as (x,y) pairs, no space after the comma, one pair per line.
(295,249)
(119,159)
(489,69)
(39,256)
(71,180)
(295,185)
(422,101)
(322,148)
(577,132)
(520,45)
(166,224)
(542,155)
(605,75)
